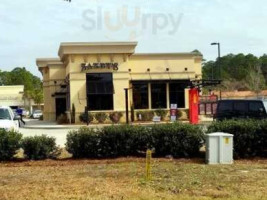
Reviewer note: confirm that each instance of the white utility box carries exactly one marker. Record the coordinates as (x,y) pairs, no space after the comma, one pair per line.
(219,148)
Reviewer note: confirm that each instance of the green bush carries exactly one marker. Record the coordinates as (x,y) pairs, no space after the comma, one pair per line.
(250,136)
(182,114)
(125,140)
(39,147)
(161,113)
(73,114)
(145,115)
(62,119)
(10,142)
(115,117)
(179,114)
(101,117)
(179,140)
(83,143)
(83,117)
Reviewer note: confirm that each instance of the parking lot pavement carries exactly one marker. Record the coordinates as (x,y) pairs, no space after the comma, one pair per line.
(59,134)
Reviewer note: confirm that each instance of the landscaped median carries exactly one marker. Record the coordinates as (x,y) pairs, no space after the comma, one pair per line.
(176,140)
(250,136)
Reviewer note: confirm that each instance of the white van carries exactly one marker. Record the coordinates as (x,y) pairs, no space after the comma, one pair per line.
(8,120)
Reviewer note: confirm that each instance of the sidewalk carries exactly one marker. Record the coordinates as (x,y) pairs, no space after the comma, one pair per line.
(37,124)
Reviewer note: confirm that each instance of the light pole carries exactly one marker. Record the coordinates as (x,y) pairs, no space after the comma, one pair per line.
(219,56)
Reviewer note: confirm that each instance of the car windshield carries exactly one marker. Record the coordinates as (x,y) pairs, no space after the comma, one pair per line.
(4,114)
(38,111)
(265,105)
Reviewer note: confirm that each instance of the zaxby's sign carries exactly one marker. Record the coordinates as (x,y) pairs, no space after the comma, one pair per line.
(88,66)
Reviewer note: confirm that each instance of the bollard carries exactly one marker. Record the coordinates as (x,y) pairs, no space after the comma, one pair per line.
(148,164)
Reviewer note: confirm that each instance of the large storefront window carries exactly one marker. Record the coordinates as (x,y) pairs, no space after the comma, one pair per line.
(158,95)
(140,95)
(177,94)
(99,91)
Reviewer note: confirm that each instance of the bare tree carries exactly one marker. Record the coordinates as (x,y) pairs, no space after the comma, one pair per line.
(255,80)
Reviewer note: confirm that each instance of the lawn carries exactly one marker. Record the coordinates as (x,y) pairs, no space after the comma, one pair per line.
(124,178)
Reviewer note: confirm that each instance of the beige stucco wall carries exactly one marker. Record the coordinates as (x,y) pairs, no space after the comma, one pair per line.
(11,95)
(53,76)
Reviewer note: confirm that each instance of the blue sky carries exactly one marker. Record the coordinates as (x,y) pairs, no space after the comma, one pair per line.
(35,28)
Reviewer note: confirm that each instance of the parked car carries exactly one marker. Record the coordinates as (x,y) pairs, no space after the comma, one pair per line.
(37,114)
(25,113)
(236,109)
(8,120)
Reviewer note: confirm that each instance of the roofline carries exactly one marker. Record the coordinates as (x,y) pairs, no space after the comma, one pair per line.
(48,59)
(88,47)
(44,62)
(168,54)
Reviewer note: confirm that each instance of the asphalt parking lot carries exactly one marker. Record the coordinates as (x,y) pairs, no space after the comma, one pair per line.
(59,134)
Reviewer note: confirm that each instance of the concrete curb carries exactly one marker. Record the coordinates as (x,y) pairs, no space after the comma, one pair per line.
(94,125)
(51,127)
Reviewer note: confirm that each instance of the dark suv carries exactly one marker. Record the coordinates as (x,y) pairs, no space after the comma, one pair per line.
(231,109)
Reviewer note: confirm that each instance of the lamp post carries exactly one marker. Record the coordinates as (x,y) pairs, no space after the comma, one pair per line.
(219,56)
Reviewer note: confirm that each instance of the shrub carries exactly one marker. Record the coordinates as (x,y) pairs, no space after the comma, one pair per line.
(115,116)
(179,140)
(83,117)
(250,136)
(39,147)
(10,142)
(125,140)
(161,113)
(62,119)
(73,114)
(101,117)
(83,143)
(187,113)
(145,115)
(182,114)
(179,114)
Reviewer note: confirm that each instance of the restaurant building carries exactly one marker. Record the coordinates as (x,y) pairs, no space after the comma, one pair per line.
(96,75)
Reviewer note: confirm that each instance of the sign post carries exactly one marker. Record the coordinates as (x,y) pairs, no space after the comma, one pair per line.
(148,164)
(173,112)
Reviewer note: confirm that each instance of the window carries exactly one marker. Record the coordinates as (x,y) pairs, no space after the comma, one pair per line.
(99,91)
(140,95)
(4,114)
(158,95)
(256,107)
(240,107)
(177,94)
(226,106)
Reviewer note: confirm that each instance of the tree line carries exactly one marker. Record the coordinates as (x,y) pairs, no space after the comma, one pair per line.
(238,72)
(33,87)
